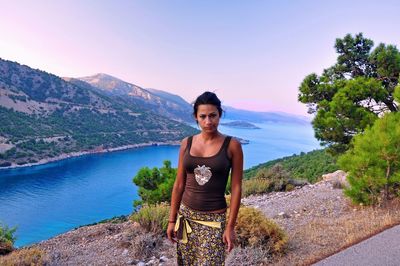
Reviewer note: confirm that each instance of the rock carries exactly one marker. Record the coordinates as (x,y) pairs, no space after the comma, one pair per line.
(298,182)
(163,259)
(132,262)
(336,178)
(284,215)
(125,252)
(151,262)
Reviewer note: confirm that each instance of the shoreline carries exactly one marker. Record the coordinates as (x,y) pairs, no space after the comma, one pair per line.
(65,156)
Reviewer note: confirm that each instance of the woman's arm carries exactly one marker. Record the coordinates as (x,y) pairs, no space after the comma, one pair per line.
(177,191)
(235,149)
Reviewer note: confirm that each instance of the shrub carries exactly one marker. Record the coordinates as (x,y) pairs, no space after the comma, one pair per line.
(255,230)
(145,245)
(25,257)
(266,180)
(255,186)
(7,239)
(373,163)
(154,218)
(155,185)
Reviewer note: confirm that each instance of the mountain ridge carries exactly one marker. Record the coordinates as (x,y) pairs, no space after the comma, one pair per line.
(43,117)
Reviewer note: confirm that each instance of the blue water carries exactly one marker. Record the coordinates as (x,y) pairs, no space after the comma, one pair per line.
(46,200)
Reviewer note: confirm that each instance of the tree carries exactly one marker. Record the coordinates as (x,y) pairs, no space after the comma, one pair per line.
(373,164)
(350,95)
(155,185)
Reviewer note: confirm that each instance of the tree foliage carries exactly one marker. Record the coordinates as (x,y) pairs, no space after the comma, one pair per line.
(350,95)
(155,185)
(373,164)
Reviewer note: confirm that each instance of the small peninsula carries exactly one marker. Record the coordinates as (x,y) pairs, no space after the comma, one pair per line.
(240,124)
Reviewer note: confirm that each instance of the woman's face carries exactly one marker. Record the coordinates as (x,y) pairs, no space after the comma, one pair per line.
(207,117)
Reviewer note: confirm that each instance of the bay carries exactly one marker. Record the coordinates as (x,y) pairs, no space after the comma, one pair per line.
(46,200)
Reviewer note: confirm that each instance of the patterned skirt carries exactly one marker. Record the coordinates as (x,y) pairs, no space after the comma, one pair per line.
(204,245)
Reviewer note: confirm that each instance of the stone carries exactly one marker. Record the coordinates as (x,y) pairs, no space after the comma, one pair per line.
(163,259)
(337,177)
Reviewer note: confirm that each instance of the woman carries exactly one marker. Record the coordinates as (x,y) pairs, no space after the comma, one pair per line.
(197,220)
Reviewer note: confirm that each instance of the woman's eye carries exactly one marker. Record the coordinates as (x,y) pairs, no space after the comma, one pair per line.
(213,115)
(202,116)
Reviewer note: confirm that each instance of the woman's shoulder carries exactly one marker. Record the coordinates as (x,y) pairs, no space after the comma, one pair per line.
(185,141)
(234,143)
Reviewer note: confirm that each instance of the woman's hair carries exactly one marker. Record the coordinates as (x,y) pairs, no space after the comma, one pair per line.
(207,98)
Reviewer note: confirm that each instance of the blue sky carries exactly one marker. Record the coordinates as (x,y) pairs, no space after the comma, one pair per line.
(253,54)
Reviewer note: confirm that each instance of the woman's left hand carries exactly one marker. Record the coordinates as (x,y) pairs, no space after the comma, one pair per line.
(229,238)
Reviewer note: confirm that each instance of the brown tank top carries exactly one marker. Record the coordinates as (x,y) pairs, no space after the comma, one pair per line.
(206,178)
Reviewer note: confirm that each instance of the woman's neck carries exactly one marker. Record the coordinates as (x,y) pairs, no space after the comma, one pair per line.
(209,136)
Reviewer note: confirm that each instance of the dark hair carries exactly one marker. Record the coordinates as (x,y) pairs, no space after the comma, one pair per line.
(207,98)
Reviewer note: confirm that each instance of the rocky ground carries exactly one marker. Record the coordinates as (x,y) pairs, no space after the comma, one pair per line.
(299,207)
(109,243)
(317,218)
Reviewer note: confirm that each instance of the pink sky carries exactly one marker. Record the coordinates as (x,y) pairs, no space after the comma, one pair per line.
(253,54)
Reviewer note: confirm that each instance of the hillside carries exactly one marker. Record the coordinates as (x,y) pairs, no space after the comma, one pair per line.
(167,104)
(309,166)
(260,117)
(44,116)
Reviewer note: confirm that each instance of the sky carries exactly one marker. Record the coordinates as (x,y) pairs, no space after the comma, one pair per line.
(252,54)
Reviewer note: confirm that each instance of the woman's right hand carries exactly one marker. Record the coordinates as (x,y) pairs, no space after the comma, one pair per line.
(171,232)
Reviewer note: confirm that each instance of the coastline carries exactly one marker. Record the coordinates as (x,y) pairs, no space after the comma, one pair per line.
(82,153)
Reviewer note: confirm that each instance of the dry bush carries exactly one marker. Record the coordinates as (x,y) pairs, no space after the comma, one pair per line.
(145,245)
(255,186)
(154,218)
(289,187)
(255,230)
(6,247)
(248,256)
(25,257)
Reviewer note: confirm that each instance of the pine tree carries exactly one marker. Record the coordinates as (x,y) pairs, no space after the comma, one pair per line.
(373,164)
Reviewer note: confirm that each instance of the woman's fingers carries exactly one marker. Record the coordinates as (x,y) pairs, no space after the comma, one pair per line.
(230,245)
(171,236)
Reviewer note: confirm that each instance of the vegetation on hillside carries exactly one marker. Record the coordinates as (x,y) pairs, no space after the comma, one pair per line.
(308,166)
(62,117)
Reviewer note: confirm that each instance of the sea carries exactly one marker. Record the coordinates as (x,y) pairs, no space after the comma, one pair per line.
(46,200)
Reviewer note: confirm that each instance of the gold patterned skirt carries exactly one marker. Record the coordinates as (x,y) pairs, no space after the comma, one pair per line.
(200,237)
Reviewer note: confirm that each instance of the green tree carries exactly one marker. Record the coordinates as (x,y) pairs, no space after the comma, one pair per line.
(350,95)
(373,163)
(155,185)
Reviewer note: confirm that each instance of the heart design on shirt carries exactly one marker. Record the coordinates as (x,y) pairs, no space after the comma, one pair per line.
(202,174)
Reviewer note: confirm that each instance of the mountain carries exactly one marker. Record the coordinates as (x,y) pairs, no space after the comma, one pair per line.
(161,102)
(260,117)
(44,116)
(173,106)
